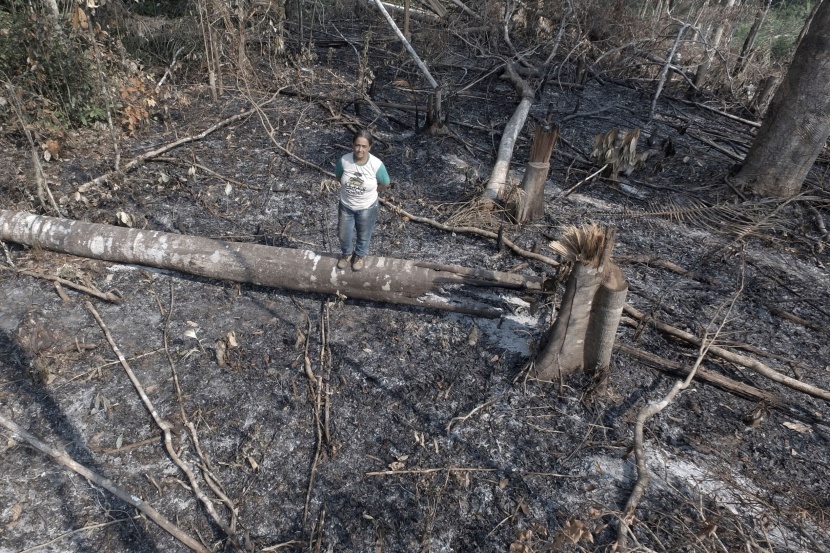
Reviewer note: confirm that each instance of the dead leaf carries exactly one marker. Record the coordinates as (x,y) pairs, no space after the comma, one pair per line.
(524,535)
(190,333)
(503,483)
(254,464)
(572,533)
(125,219)
(221,353)
(232,339)
(396,465)
(472,337)
(16,511)
(120,441)
(798,427)
(79,19)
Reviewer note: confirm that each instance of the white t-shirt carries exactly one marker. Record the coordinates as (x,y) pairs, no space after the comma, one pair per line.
(359,183)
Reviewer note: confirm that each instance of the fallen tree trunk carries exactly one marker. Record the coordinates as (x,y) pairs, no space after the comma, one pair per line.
(384,279)
(498,177)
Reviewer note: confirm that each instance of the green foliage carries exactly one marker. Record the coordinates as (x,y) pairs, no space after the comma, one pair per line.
(51,67)
(776,39)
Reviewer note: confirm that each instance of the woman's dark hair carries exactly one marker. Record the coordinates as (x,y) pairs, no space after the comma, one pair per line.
(363,133)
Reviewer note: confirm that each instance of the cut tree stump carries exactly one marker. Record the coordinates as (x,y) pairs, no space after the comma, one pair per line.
(384,279)
(582,336)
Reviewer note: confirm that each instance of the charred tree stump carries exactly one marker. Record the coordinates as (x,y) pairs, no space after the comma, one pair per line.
(529,204)
(565,347)
(606,313)
(530,199)
(582,336)
(384,279)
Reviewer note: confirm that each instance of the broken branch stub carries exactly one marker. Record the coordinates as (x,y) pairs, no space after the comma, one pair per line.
(582,336)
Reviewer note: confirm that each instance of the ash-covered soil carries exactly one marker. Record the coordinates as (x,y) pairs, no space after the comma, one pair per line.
(420,431)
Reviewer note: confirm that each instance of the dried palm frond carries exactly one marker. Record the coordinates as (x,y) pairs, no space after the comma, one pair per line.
(584,244)
(477,213)
(750,218)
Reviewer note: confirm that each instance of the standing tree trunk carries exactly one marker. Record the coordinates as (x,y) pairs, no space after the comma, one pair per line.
(711,47)
(436,115)
(749,43)
(797,123)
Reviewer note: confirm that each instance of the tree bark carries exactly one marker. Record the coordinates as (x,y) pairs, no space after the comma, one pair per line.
(582,336)
(711,48)
(749,43)
(530,203)
(797,123)
(384,279)
(565,341)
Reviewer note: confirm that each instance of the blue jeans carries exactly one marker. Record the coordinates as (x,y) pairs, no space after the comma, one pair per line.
(360,222)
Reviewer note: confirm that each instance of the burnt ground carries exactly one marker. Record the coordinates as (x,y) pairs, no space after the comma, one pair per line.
(470,452)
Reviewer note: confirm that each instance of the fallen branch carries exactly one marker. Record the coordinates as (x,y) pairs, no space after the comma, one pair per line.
(796,319)
(204,463)
(752,364)
(187,139)
(652,261)
(721,149)
(643,476)
(428,471)
(316,384)
(106,296)
(128,498)
(472,230)
(724,383)
(164,425)
(498,176)
(727,115)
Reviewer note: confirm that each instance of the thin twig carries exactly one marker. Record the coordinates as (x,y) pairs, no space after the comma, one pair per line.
(470,414)
(40,177)
(428,471)
(9,259)
(86,528)
(586,179)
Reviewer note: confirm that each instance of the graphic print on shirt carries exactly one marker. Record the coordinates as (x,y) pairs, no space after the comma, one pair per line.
(355,184)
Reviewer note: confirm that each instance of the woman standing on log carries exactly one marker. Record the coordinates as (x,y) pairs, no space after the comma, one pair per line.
(362,176)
